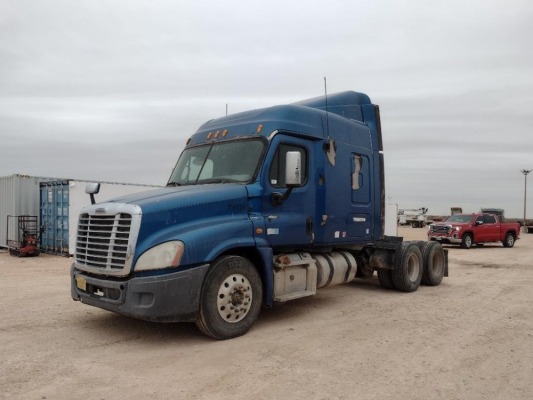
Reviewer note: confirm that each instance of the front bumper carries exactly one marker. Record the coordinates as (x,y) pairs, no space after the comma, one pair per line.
(170,298)
(454,239)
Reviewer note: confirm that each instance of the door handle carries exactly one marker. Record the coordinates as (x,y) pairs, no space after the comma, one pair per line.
(309,226)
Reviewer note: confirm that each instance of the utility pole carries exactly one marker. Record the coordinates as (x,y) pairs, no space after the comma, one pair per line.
(525,172)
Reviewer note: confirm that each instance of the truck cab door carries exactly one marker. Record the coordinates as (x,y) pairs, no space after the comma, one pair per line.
(492,228)
(479,229)
(290,222)
(487,229)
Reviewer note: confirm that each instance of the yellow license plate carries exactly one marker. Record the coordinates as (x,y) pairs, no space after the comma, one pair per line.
(81,283)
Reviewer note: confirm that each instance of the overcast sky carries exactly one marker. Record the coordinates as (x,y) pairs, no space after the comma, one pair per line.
(111,90)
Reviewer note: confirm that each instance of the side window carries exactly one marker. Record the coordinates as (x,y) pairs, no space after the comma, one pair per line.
(276,175)
(489,219)
(360,178)
(356,171)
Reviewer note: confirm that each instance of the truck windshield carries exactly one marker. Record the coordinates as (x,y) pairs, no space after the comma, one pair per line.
(460,218)
(222,162)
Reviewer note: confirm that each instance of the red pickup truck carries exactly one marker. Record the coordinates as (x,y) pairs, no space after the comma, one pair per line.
(469,229)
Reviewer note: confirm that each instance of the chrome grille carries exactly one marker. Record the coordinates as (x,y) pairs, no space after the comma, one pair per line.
(441,229)
(103,240)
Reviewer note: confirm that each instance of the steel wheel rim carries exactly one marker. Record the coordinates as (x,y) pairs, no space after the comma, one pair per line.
(234,298)
(413,268)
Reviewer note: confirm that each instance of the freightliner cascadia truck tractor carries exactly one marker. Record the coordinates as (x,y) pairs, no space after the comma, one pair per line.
(262,207)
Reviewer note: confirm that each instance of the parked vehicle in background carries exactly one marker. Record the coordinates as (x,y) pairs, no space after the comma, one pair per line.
(478,228)
(456,210)
(500,212)
(416,217)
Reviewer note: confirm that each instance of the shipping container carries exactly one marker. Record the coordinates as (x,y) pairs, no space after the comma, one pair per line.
(57,204)
(19,195)
(61,203)
(55,217)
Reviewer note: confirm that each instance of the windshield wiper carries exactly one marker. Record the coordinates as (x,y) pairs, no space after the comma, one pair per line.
(173,184)
(216,180)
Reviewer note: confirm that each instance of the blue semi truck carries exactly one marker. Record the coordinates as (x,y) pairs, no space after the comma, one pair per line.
(262,207)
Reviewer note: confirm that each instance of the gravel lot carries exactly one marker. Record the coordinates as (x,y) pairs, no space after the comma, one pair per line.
(469,338)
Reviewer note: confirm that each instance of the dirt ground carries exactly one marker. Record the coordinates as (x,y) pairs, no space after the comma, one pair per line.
(469,338)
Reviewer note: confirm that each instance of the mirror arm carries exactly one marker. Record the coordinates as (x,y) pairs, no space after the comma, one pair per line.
(91,189)
(279,198)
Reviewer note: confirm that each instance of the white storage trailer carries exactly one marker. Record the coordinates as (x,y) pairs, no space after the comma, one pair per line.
(56,202)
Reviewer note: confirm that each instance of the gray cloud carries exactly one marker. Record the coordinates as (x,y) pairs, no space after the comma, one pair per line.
(111,90)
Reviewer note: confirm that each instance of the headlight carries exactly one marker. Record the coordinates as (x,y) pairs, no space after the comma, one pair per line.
(165,255)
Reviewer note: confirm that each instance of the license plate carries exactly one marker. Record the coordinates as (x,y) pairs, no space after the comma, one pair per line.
(81,283)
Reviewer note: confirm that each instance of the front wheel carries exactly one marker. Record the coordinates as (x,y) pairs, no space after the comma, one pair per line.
(467,241)
(231,298)
(509,240)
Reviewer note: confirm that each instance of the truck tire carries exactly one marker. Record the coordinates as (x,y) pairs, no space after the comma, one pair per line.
(434,261)
(467,241)
(408,273)
(385,279)
(414,224)
(231,298)
(509,240)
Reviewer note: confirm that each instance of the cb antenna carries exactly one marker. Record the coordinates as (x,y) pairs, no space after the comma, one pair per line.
(329,146)
(327,115)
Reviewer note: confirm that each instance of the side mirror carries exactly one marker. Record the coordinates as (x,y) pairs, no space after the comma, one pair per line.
(293,176)
(479,223)
(92,189)
(293,168)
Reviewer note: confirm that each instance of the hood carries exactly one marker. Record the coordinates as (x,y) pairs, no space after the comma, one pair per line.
(183,196)
(445,223)
(174,211)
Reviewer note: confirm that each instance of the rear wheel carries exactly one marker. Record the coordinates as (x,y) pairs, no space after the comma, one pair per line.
(408,273)
(509,240)
(467,241)
(231,298)
(434,261)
